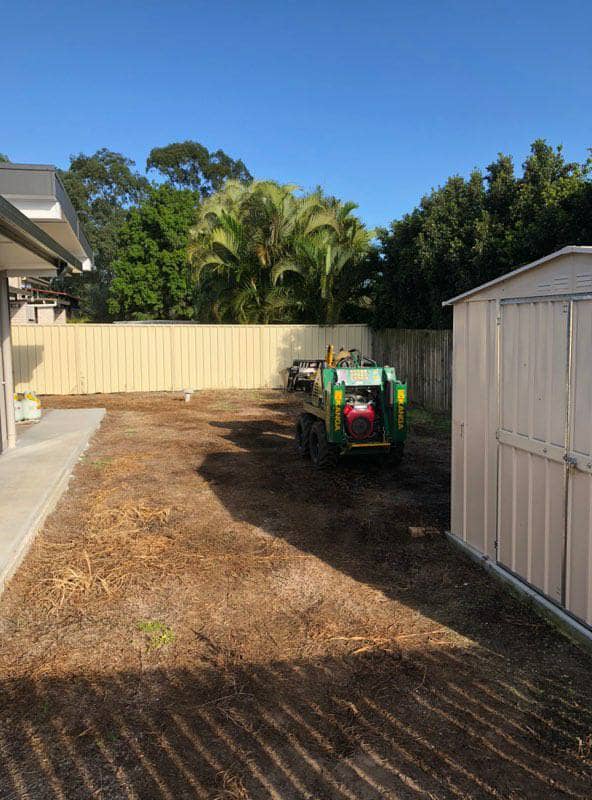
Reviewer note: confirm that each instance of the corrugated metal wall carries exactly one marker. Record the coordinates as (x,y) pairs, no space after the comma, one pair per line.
(522,429)
(578,588)
(533,409)
(423,358)
(474,423)
(84,359)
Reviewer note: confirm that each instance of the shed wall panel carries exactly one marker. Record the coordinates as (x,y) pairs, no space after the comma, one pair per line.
(533,406)
(541,429)
(579,521)
(565,274)
(459,381)
(474,412)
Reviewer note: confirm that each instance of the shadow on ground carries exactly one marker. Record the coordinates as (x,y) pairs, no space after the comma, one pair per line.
(377,725)
(356,518)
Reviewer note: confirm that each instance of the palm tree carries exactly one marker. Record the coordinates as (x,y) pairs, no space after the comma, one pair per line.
(264,253)
(330,257)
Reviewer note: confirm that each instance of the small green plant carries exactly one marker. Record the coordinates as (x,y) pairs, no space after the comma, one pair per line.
(101,463)
(160,635)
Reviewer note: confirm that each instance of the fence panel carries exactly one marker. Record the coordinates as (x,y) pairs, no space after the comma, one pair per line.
(85,359)
(424,359)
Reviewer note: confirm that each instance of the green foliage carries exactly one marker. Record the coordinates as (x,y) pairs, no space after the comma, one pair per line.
(107,191)
(151,274)
(102,187)
(4,159)
(264,253)
(212,244)
(470,231)
(190,165)
(159,634)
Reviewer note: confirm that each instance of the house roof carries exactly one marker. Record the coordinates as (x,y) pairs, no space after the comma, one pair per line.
(37,191)
(570,249)
(23,244)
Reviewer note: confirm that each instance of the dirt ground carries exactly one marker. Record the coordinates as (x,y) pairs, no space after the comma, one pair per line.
(205,616)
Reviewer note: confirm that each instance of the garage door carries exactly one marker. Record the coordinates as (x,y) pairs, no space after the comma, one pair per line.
(545,448)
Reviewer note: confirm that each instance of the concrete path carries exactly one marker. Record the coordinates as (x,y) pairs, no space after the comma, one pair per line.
(34,475)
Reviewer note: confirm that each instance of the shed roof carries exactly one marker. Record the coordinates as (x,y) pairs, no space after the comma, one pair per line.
(570,249)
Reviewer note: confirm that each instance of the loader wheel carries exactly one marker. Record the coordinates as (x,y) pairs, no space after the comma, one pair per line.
(322,454)
(303,427)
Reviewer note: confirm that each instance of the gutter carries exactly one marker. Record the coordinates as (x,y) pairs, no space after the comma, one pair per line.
(21,230)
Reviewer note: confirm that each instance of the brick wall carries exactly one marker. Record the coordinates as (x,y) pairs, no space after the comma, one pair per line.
(45,315)
(19,314)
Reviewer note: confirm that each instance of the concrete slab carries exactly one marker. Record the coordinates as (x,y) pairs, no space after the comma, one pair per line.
(34,475)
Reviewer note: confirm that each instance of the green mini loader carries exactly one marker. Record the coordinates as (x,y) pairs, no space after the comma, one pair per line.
(353,406)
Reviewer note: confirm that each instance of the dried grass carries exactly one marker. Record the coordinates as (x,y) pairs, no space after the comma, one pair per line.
(232,788)
(113,543)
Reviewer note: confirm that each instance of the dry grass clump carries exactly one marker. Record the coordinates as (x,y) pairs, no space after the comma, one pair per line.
(233,788)
(112,549)
(131,516)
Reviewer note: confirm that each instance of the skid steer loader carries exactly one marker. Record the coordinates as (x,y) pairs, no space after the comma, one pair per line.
(351,406)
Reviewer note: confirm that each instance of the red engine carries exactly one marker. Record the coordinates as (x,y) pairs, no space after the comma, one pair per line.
(359,420)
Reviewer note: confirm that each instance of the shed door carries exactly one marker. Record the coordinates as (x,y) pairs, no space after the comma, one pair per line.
(578,574)
(533,400)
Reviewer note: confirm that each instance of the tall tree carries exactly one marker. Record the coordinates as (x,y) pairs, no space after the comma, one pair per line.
(470,231)
(102,187)
(190,165)
(151,274)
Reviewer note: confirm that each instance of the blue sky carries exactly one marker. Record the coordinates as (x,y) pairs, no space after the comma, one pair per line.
(377,101)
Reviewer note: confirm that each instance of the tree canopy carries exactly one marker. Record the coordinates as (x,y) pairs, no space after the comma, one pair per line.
(151,274)
(205,241)
(107,191)
(472,230)
(102,187)
(265,252)
(190,165)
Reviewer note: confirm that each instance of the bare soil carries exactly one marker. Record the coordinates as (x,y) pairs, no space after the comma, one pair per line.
(205,616)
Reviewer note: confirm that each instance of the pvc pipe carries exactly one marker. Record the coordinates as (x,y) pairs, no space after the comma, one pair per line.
(6,349)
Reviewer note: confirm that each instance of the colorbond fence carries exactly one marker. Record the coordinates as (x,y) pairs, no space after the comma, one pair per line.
(84,359)
(424,359)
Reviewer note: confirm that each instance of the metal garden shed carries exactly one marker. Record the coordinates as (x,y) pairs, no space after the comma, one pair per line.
(522,428)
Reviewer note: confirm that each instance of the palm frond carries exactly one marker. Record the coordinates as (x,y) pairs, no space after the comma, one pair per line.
(286,266)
